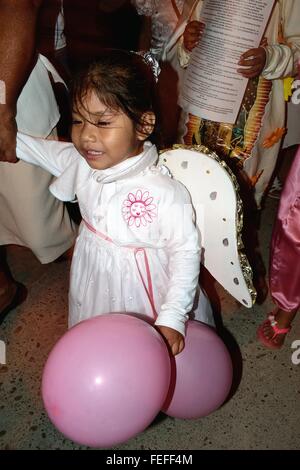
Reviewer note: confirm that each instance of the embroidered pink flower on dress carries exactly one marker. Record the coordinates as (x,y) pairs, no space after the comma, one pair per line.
(138,209)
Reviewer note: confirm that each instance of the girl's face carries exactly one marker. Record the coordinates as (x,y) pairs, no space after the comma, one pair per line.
(104,137)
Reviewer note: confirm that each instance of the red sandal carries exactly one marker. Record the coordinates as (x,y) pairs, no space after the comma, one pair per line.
(269,342)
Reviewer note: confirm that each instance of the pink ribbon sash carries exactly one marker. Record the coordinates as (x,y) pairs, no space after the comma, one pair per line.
(146,284)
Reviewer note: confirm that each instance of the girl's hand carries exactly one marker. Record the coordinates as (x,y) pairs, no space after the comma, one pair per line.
(254,60)
(173,338)
(192,34)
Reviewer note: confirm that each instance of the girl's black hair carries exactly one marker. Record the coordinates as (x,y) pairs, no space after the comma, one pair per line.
(121,80)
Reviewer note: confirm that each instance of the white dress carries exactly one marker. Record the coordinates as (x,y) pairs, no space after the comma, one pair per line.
(137,248)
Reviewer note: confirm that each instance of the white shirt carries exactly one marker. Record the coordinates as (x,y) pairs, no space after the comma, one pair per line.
(37,110)
(137,205)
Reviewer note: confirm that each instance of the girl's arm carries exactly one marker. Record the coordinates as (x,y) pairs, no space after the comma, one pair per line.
(51,155)
(191,35)
(189,40)
(184,265)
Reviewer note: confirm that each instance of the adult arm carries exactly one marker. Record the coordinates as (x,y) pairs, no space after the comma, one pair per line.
(17,45)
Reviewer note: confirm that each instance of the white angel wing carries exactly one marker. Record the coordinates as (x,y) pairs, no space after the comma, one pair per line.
(218,207)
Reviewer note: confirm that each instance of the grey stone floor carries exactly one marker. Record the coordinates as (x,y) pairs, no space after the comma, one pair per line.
(263,413)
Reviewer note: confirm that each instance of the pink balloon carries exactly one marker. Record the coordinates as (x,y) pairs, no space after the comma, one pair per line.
(106,379)
(201,375)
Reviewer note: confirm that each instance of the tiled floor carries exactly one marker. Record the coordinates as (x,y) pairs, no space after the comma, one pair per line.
(263,413)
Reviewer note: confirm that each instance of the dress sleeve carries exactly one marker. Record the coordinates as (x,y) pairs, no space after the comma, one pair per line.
(51,155)
(282,59)
(144,7)
(183,54)
(177,222)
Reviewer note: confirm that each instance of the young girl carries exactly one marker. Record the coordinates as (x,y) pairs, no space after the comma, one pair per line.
(138,248)
(284,263)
